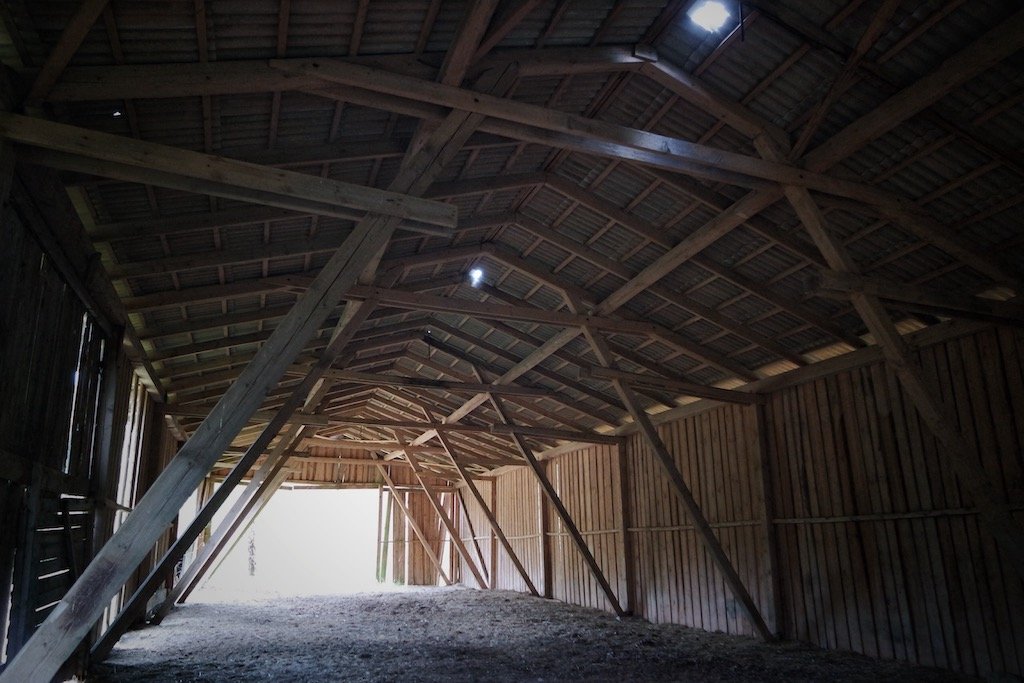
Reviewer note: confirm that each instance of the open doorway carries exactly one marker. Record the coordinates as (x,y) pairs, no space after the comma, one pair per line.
(304,542)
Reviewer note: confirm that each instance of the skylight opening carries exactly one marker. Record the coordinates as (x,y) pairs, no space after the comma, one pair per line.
(710,15)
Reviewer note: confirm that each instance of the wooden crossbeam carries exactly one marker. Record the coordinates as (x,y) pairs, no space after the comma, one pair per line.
(239,77)
(957,450)
(217,174)
(398,381)
(682,490)
(688,388)
(583,133)
(453,532)
(488,514)
(560,509)
(70,40)
(416,528)
(922,299)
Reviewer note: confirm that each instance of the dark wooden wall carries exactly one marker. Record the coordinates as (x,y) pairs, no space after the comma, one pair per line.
(65,387)
(871,546)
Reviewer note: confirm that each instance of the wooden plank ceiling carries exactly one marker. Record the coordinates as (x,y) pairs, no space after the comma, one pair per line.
(615,184)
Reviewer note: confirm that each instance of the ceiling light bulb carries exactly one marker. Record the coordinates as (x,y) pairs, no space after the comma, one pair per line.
(710,15)
(475,276)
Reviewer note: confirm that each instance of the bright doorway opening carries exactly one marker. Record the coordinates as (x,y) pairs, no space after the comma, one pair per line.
(304,542)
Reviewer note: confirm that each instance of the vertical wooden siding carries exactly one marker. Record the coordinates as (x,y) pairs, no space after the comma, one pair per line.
(878,550)
(518,513)
(587,481)
(482,536)
(676,579)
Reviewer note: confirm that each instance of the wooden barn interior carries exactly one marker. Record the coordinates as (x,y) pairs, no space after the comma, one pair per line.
(710,326)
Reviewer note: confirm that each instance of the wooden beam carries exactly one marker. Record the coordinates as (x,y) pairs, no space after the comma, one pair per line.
(562,434)
(187,183)
(486,311)
(306,395)
(491,519)
(239,77)
(682,490)
(75,31)
(399,381)
(58,636)
(503,25)
(417,530)
(560,509)
(988,50)
(695,242)
(771,567)
(586,134)
(258,488)
(274,186)
(922,299)
(957,450)
(602,415)
(688,388)
(453,532)
(845,78)
(689,88)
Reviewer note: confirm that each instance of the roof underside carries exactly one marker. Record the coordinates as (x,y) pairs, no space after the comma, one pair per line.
(553,228)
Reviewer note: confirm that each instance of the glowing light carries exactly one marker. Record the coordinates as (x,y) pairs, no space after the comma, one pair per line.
(475,276)
(117,113)
(710,15)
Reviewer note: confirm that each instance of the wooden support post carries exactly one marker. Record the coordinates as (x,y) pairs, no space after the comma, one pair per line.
(626,513)
(775,613)
(494,546)
(546,534)
(700,522)
(563,513)
(491,519)
(431,555)
(957,451)
(453,533)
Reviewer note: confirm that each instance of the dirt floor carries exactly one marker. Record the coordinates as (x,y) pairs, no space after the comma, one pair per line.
(456,634)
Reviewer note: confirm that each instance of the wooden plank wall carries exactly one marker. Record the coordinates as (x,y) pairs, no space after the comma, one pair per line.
(482,535)
(518,514)
(420,571)
(52,359)
(64,394)
(676,579)
(409,563)
(878,551)
(588,482)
